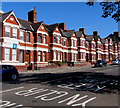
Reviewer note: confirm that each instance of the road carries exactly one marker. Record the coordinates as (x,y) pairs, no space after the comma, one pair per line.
(84,87)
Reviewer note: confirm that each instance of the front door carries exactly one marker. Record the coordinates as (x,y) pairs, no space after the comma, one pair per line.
(27,59)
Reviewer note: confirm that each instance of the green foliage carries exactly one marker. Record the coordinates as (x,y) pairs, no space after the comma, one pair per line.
(109,9)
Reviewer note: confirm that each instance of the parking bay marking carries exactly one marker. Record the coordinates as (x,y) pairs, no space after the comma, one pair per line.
(11,89)
(72,100)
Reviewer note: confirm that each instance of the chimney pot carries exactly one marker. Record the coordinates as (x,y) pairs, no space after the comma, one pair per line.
(82,29)
(95,33)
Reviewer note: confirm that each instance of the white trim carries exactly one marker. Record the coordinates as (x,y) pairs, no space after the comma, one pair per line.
(72,51)
(10,40)
(41,44)
(82,39)
(41,49)
(12,13)
(56,48)
(73,38)
(12,63)
(92,52)
(81,50)
(54,33)
(42,32)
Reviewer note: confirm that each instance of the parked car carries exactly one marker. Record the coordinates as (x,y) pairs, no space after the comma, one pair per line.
(115,62)
(8,72)
(100,63)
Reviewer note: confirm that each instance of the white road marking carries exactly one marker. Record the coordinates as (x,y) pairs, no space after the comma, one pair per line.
(11,89)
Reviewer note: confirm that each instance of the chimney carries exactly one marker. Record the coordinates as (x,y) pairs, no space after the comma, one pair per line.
(82,29)
(62,26)
(116,33)
(1,12)
(95,33)
(32,16)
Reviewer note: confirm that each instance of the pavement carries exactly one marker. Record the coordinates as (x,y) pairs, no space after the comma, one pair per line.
(62,69)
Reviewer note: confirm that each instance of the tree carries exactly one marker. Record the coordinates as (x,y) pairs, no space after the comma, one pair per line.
(109,9)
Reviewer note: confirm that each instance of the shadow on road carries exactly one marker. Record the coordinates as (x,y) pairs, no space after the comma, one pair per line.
(79,81)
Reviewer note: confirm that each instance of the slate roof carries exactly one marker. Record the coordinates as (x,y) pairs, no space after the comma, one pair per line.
(36,25)
(69,33)
(89,38)
(51,28)
(5,15)
(115,39)
(103,41)
(25,24)
(79,34)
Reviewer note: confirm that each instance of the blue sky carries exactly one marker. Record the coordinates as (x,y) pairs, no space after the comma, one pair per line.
(75,14)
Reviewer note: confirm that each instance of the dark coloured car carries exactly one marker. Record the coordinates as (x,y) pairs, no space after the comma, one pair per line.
(100,63)
(8,72)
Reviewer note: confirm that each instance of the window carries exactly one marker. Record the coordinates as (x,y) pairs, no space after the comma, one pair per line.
(7,31)
(27,37)
(45,39)
(21,56)
(74,43)
(44,56)
(7,53)
(14,35)
(73,57)
(21,35)
(39,56)
(64,42)
(14,54)
(59,55)
(55,39)
(54,55)
(40,38)
(59,40)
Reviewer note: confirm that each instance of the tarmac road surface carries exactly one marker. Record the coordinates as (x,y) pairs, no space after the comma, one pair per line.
(82,88)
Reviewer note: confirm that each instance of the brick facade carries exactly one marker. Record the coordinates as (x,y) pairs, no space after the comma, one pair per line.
(32,45)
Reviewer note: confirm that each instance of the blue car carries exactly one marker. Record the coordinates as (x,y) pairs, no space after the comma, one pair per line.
(8,72)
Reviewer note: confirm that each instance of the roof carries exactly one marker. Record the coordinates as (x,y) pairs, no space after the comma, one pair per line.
(36,25)
(89,38)
(115,39)
(103,41)
(25,24)
(5,15)
(79,33)
(69,33)
(51,28)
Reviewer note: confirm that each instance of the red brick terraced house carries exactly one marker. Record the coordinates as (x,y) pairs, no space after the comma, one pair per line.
(32,44)
(114,45)
(81,45)
(72,45)
(90,48)
(105,49)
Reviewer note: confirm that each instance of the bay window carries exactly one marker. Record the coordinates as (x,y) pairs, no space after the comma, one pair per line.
(7,53)
(14,54)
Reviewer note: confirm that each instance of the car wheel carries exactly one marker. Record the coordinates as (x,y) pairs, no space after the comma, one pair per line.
(14,77)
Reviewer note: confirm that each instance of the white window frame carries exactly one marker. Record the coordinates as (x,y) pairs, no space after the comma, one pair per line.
(14,54)
(21,35)
(7,54)
(7,30)
(54,54)
(14,32)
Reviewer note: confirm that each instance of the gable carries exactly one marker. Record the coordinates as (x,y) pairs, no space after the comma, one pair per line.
(12,20)
(41,28)
(56,30)
(82,36)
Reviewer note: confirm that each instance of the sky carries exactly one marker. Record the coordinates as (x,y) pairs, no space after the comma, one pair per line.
(75,14)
